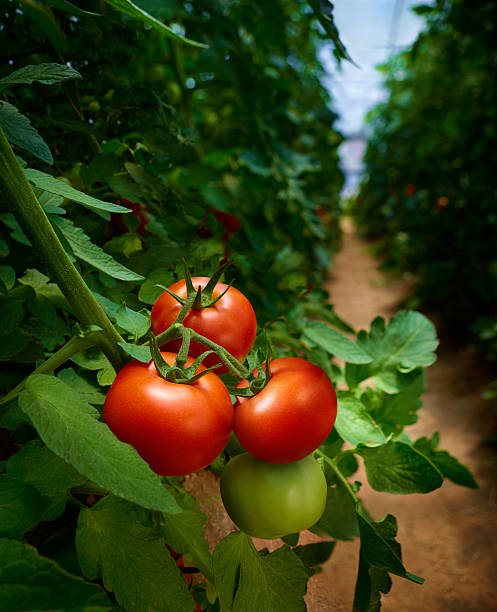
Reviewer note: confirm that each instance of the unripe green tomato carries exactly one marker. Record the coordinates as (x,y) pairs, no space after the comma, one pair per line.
(270,501)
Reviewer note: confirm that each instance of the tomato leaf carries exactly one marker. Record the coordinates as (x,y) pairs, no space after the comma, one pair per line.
(335,343)
(21,507)
(19,132)
(69,427)
(48,183)
(135,323)
(248,580)
(448,465)
(116,541)
(396,467)
(354,423)
(339,518)
(87,251)
(28,581)
(38,466)
(86,391)
(46,74)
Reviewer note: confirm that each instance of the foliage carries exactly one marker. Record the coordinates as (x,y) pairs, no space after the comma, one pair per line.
(240,126)
(429,190)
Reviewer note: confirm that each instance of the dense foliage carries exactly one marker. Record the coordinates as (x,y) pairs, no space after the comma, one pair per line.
(221,147)
(429,190)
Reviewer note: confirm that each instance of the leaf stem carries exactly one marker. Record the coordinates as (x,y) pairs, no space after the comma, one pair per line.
(70,348)
(37,227)
(333,464)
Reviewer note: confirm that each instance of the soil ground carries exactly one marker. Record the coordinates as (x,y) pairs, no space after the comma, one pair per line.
(448,536)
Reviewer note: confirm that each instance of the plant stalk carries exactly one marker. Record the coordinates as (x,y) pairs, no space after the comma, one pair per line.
(37,227)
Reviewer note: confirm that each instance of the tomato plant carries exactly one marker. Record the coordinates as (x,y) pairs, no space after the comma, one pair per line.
(271,501)
(291,416)
(229,322)
(117,225)
(176,428)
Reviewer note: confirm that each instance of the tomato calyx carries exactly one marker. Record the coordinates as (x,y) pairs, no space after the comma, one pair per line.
(201,297)
(256,381)
(178,373)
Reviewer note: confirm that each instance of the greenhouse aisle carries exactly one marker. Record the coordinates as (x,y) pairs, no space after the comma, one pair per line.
(449,536)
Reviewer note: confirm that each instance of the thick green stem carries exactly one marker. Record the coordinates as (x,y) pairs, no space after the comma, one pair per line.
(73,346)
(35,224)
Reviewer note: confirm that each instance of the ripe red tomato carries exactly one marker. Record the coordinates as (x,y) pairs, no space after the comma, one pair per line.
(176,428)
(230,322)
(230,222)
(291,416)
(271,501)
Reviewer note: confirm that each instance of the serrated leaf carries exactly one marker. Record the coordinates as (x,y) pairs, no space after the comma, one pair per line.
(248,580)
(92,254)
(69,427)
(115,541)
(34,278)
(393,381)
(408,341)
(46,74)
(133,322)
(29,581)
(85,390)
(339,517)
(184,532)
(335,343)
(448,465)
(38,466)
(21,507)
(127,7)
(19,132)
(48,183)
(354,424)
(396,467)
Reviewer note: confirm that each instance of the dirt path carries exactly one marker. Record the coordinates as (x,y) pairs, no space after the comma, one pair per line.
(449,536)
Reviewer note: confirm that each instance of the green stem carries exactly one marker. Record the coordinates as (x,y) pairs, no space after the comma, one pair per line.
(332,463)
(38,229)
(73,346)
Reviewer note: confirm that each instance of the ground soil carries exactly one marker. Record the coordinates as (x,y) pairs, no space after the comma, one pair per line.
(448,536)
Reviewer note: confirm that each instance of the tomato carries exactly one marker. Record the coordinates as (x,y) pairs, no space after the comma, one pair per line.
(230,222)
(230,322)
(140,211)
(176,428)
(271,501)
(291,416)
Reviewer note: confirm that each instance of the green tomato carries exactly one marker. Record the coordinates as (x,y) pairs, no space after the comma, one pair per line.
(270,501)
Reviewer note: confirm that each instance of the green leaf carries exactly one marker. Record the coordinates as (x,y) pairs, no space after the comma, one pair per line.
(47,74)
(86,250)
(371,582)
(354,424)
(248,580)
(137,351)
(38,466)
(12,344)
(127,7)
(448,465)
(19,132)
(67,7)
(29,581)
(379,548)
(115,541)
(91,359)
(7,276)
(48,183)
(393,381)
(339,517)
(21,507)
(335,343)
(34,278)
(323,9)
(184,532)
(315,553)
(406,343)
(69,427)
(85,390)
(151,289)
(396,467)
(11,315)
(131,321)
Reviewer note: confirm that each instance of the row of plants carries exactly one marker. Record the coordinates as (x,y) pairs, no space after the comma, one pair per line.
(138,144)
(429,189)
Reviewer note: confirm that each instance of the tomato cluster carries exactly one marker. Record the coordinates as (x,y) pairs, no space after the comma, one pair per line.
(273,486)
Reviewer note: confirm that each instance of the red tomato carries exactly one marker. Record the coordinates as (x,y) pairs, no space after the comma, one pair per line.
(291,416)
(140,211)
(230,322)
(176,428)
(230,223)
